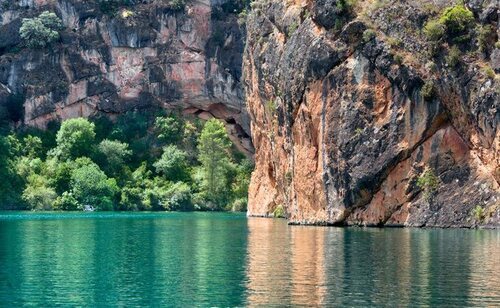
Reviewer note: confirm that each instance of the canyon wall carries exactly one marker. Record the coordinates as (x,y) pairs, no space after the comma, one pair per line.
(355,116)
(141,56)
(355,122)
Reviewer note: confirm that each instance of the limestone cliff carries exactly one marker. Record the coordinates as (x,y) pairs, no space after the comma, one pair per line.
(355,122)
(143,55)
(356,117)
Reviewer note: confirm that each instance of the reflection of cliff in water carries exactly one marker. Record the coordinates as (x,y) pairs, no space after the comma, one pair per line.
(291,265)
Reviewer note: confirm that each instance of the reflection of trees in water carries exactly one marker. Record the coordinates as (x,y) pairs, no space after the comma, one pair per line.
(268,263)
(214,260)
(218,259)
(49,261)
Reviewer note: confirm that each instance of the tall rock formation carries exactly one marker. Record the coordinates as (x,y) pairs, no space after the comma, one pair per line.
(357,120)
(137,56)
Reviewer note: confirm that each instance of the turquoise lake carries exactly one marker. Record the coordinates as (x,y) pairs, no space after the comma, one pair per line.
(227,260)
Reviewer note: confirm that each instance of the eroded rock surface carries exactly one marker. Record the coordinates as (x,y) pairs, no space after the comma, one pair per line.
(138,57)
(341,128)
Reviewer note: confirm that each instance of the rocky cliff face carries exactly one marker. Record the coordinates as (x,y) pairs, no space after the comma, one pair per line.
(355,116)
(354,122)
(141,56)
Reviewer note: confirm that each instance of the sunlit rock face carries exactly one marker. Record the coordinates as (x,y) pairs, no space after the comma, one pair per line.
(188,59)
(341,128)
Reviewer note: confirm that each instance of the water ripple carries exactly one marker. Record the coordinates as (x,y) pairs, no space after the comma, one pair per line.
(226,260)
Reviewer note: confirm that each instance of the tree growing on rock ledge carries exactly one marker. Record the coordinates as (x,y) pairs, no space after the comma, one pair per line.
(41,31)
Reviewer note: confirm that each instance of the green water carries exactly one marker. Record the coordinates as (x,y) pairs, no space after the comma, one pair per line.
(221,259)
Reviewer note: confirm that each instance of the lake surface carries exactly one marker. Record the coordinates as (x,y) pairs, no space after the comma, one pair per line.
(223,259)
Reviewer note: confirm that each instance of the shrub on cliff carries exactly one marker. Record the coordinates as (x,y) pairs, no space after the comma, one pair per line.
(434,30)
(41,31)
(110,7)
(428,90)
(478,213)
(279,212)
(455,22)
(177,4)
(486,36)
(453,57)
(457,19)
(428,182)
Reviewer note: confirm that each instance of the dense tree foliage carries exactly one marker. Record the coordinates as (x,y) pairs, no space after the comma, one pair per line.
(11,184)
(172,164)
(112,156)
(41,31)
(454,22)
(140,161)
(74,139)
(91,187)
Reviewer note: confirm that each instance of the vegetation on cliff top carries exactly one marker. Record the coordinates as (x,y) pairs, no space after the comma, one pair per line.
(41,31)
(138,163)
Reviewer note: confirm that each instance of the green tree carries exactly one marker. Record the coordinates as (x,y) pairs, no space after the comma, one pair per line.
(134,128)
(11,186)
(41,31)
(133,193)
(214,146)
(75,139)
(177,197)
(170,129)
(173,164)
(91,186)
(26,166)
(239,205)
(38,195)
(59,173)
(242,179)
(66,202)
(113,155)
(190,139)
(32,146)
